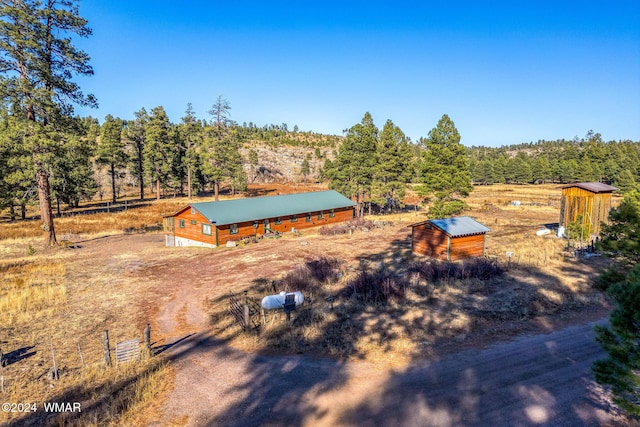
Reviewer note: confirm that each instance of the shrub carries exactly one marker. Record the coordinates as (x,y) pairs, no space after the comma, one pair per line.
(346,227)
(311,274)
(375,287)
(435,271)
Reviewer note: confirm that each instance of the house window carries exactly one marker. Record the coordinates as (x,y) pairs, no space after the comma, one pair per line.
(332,213)
(182,223)
(194,222)
(308,219)
(293,218)
(193,211)
(255,225)
(320,215)
(233,229)
(206,229)
(278,221)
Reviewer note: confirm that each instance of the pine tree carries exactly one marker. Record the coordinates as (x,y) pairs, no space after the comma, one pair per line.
(352,172)
(395,168)
(16,173)
(37,63)
(158,148)
(72,177)
(137,136)
(621,339)
(445,169)
(522,172)
(192,137)
(541,169)
(621,237)
(220,153)
(111,149)
(304,169)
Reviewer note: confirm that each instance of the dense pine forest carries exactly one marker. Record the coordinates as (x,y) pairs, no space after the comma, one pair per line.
(561,161)
(149,154)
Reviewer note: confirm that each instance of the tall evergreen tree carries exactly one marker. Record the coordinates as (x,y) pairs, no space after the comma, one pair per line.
(136,134)
(72,177)
(192,137)
(352,172)
(220,153)
(621,339)
(17,185)
(522,172)
(37,63)
(395,168)
(158,148)
(111,149)
(445,169)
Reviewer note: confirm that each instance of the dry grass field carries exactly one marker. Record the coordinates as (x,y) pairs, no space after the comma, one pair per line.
(113,272)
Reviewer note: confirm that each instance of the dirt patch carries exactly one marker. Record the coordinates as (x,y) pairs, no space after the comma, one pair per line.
(121,282)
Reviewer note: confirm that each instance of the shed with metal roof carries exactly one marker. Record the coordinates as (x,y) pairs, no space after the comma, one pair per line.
(449,238)
(588,204)
(213,224)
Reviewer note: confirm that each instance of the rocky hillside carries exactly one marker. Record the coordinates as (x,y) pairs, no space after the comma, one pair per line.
(284,164)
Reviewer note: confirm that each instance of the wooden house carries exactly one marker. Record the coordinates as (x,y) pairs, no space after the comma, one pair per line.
(590,201)
(449,239)
(213,224)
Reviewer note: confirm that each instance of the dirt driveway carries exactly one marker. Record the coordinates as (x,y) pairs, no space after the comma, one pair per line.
(534,380)
(538,379)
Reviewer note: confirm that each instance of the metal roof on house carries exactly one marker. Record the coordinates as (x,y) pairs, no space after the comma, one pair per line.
(257,208)
(594,187)
(458,226)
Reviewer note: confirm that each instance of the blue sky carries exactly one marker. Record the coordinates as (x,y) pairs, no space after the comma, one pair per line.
(505,72)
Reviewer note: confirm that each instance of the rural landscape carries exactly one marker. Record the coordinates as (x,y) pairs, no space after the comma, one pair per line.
(199,271)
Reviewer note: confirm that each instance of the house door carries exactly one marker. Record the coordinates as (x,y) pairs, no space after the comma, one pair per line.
(267,226)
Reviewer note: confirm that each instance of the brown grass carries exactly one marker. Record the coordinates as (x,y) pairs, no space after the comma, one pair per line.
(44,313)
(53,297)
(541,286)
(47,308)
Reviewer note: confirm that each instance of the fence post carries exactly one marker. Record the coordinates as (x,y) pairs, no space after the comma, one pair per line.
(247,318)
(1,373)
(107,351)
(80,352)
(147,337)
(55,375)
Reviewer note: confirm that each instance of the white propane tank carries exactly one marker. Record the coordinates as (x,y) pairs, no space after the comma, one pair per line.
(272,302)
(561,231)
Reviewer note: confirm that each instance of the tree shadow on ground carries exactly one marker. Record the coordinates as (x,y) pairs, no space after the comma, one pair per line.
(17,355)
(532,380)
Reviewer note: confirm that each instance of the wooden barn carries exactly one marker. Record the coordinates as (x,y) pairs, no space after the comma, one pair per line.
(449,239)
(212,224)
(591,200)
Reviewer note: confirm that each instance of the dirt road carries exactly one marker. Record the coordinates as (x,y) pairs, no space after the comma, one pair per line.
(533,380)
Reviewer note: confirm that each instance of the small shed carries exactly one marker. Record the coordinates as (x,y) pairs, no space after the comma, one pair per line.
(212,224)
(449,238)
(589,200)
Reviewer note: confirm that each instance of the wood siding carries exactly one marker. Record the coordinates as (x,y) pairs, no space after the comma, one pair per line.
(430,241)
(247,229)
(594,207)
(433,242)
(220,235)
(190,230)
(466,247)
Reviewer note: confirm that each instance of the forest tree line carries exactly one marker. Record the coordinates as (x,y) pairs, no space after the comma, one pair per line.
(588,159)
(371,165)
